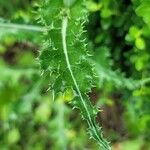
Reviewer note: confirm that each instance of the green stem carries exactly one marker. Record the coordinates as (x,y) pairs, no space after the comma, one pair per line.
(22,27)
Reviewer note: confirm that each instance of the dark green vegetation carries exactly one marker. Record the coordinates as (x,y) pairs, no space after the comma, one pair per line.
(111,70)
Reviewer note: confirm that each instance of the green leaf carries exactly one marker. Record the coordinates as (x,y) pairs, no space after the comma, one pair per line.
(143,10)
(65,58)
(140,43)
(13,136)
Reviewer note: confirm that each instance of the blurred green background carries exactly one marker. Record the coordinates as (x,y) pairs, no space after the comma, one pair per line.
(119,38)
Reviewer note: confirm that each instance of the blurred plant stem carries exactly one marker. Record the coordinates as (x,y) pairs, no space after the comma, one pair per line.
(22,27)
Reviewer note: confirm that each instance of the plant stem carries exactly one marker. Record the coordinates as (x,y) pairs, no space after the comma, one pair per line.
(22,27)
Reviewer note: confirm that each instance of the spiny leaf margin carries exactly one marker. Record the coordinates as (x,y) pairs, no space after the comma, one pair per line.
(65,58)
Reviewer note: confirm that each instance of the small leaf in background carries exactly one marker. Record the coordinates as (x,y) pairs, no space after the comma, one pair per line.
(143,10)
(26,59)
(93,6)
(9,40)
(71,134)
(2,49)
(139,64)
(42,112)
(106,13)
(140,43)
(13,136)
(134,32)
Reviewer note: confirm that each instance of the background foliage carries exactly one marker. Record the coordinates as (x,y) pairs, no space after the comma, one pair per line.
(118,37)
